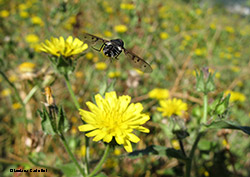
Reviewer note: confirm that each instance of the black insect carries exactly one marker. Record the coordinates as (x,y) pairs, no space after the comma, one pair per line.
(114,48)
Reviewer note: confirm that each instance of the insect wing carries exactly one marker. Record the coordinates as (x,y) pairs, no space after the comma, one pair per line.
(138,62)
(94,41)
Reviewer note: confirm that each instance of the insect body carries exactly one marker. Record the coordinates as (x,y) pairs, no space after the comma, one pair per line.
(114,48)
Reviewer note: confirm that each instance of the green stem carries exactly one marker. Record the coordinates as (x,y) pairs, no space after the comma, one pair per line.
(77,105)
(71,154)
(99,165)
(191,155)
(71,92)
(204,119)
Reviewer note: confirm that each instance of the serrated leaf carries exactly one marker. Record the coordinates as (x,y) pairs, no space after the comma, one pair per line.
(228,124)
(47,124)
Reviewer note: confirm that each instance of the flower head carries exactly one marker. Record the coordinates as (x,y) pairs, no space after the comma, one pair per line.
(58,46)
(113,117)
(159,93)
(26,67)
(121,28)
(235,96)
(171,107)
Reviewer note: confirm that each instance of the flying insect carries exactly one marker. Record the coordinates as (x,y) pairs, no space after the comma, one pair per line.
(113,48)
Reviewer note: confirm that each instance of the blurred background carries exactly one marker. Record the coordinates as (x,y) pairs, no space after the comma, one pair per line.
(176,37)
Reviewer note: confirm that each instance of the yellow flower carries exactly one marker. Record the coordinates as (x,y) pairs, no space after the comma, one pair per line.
(89,55)
(79,74)
(212,26)
(175,144)
(164,35)
(237,54)
(171,107)
(32,38)
(101,66)
(121,28)
(159,93)
(127,6)
(235,96)
(114,117)
(117,151)
(23,14)
(37,21)
(6,92)
(26,67)
(4,13)
(235,69)
(58,46)
(107,33)
(198,11)
(13,78)
(114,74)
(16,106)
(229,29)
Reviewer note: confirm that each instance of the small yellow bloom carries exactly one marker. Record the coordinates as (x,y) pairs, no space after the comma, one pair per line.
(114,74)
(107,33)
(13,78)
(73,130)
(4,13)
(16,106)
(117,151)
(115,118)
(198,11)
(235,69)
(164,35)
(23,6)
(200,51)
(235,96)
(187,37)
(206,173)
(89,55)
(121,28)
(175,144)
(237,54)
(212,26)
(171,107)
(229,29)
(6,92)
(159,93)
(101,66)
(127,6)
(32,38)
(26,67)
(23,14)
(177,28)
(109,10)
(37,21)
(74,119)
(58,46)
(79,74)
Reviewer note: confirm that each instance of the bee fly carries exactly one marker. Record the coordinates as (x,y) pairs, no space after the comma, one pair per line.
(114,48)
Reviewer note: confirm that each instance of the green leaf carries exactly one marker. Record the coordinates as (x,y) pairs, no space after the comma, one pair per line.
(158,150)
(63,123)
(228,124)
(204,145)
(47,125)
(69,170)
